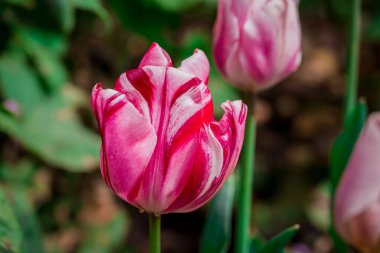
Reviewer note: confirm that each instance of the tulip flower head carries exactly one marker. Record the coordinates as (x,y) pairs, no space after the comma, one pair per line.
(162,151)
(357,200)
(257,43)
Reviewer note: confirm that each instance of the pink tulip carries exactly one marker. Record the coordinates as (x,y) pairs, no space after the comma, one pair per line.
(162,151)
(357,200)
(257,43)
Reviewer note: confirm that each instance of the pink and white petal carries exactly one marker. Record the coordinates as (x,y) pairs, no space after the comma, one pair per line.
(177,171)
(138,93)
(187,114)
(156,56)
(198,65)
(225,34)
(101,99)
(222,145)
(198,173)
(128,144)
(359,185)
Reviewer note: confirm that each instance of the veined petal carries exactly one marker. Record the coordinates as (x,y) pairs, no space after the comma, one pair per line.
(198,65)
(156,56)
(219,147)
(123,126)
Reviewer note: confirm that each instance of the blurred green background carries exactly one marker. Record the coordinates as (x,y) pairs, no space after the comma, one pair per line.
(52,52)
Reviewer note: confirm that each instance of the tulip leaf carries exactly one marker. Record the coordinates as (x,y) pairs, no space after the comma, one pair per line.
(25,213)
(278,243)
(10,232)
(97,8)
(23,3)
(130,17)
(52,131)
(216,235)
(18,81)
(45,49)
(257,243)
(55,135)
(176,5)
(67,8)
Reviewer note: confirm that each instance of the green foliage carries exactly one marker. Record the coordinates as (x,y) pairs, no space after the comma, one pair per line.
(19,82)
(10,233)
(45,49)
(65,143)
(216,235)
(28,221)
(23,3)
(277,244)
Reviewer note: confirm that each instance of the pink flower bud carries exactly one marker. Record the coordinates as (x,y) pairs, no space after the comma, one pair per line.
(357,200)
(162,151)
(257,43)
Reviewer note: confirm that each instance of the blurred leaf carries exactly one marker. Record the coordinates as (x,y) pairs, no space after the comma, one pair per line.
(18,81)
(22,173)
(96,7)
(67,9)
(66,14)
(216,235)
(23,3)
(257,243)
(45,49)
(53,131)
(103,238)
(341,9)
(10,233)
(278,243)
(129,14)
(176,5)
(32,238)
(373,28)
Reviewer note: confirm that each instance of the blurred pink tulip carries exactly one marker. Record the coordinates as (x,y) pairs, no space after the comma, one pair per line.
(357,200)
(162,151)
(257,43)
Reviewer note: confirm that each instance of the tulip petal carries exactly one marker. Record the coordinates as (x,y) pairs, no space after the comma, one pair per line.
(198,65)
(225,34)
(219,142)
(101,99)
(156,56)
(363,230)
(123,126)
(359,186)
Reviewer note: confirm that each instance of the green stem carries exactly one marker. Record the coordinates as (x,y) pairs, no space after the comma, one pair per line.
(353,60)
(243,223)
(350,101)
(155,233)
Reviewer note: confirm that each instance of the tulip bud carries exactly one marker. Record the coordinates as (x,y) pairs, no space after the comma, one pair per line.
(162,151)
(357,199)
(257,43)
